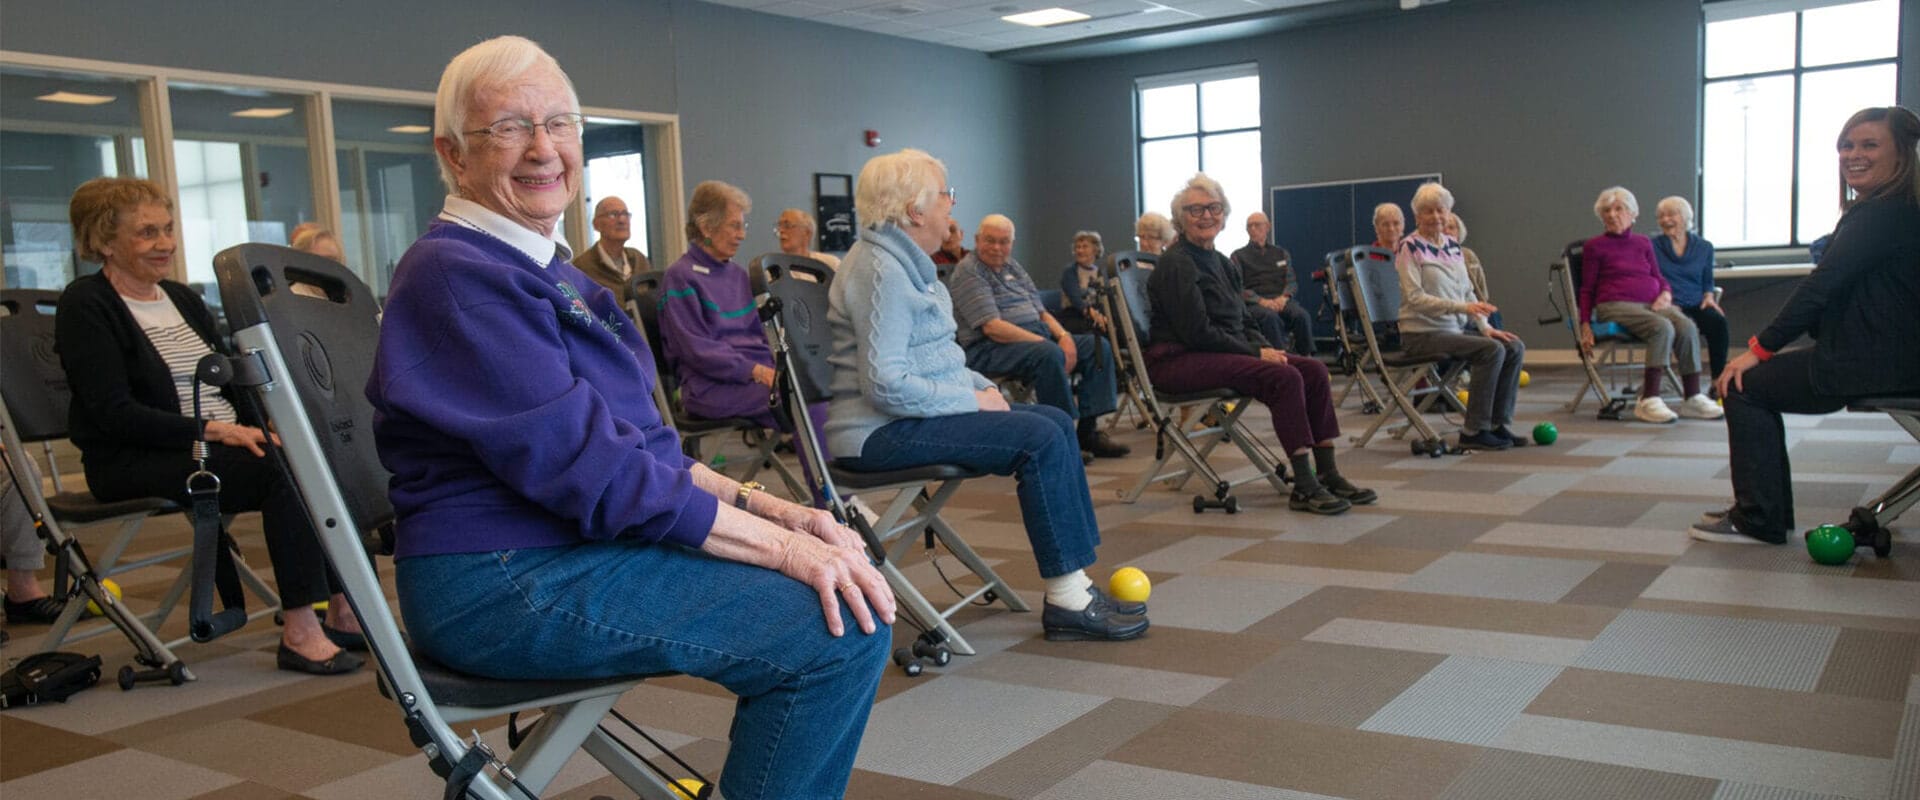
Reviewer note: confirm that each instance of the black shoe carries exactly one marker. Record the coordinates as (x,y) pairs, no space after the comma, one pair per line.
(345,640)
(1137,609)
(1484,440)
(1086,458)
(1103,446)
(41,611)
(341,663)
(1345,490)
(1320,501)
(1506,433)
(1099,620)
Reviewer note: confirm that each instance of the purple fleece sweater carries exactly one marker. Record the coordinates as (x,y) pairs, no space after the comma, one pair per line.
(713,336)
(1618,267)
(513,403)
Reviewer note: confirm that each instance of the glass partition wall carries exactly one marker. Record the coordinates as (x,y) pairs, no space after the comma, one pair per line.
(248,159)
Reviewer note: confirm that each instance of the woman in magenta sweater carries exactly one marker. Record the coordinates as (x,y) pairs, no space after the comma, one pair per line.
(1620,282)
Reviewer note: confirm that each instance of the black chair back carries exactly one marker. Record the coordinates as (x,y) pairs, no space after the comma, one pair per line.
(644,288)
(1376,287)
(329,341)
(777,266)
(1130,274)
(34,387)
(803,315)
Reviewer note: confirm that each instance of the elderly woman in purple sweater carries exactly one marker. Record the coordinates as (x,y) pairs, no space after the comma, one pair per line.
(1620,282)
(548,526)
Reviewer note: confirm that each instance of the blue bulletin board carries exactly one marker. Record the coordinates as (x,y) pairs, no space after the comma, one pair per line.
(1313,219)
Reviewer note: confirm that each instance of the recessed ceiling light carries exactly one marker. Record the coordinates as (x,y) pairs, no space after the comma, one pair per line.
(1045,17)
(76,98)
(263,113)
(409,129)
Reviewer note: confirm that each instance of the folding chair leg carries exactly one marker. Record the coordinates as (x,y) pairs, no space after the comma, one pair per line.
(612,754)
(535,762)
(903,536)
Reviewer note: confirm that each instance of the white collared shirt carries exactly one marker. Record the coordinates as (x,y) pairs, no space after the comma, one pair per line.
(473,216)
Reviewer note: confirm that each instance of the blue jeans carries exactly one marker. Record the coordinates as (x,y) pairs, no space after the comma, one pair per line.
(624,608)
(1035,444)
(1043,365)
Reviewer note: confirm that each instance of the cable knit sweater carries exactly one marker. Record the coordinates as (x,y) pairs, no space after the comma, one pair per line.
(894,355)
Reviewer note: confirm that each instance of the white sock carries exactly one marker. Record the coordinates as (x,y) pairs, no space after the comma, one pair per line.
(1069,591)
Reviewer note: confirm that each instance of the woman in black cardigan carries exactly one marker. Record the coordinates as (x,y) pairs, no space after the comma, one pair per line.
(129,339)
(1857,304)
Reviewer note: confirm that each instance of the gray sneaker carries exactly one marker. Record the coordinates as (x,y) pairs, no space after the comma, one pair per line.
(1714,517)
(1725,532)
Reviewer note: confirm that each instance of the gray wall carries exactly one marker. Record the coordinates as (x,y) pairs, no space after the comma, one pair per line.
(764,101)
(1527,108)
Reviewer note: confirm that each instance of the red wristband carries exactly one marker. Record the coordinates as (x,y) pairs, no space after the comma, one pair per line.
(1753,346)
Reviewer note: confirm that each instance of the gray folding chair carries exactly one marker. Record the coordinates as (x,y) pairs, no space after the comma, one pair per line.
(1616,353)
(1374,288)
(1871,522)
(326,425)
(1125,302)
(33,410)
(797,325)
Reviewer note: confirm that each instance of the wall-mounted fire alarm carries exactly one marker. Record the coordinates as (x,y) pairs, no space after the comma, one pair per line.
(873,138)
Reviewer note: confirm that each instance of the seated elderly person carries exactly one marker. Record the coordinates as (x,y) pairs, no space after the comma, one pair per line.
(610,262)
(1389,226)
(1620,282)
(1441,313)
(1686,260)
(1267,272)
(310,237)
(548,525)
(1008,333)
(903,396)
(1153,232)
(796,229)
(1202,341)
(1080,306)
(130,339)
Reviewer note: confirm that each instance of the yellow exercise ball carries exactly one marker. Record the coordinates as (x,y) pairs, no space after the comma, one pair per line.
(1525,378)
(1129,585)
(112,589)
(1462,394)
(688,788)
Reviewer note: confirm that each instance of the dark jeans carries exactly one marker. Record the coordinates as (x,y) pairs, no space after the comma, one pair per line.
(628,608)
(1034,444)
(1757,438)
(1713,328)
(300,570)
(1297,393)
(1299,326)
(1043,365)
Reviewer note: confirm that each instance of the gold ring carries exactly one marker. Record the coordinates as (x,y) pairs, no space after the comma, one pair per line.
(846,586)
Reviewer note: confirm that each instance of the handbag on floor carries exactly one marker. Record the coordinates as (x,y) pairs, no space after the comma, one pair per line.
(47,677)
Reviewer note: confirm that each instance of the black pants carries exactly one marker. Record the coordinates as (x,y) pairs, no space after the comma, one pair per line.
(1713,328)
(246,484)
(1757,439)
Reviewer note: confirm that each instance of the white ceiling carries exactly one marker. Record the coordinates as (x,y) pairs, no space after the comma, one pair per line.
(976,24)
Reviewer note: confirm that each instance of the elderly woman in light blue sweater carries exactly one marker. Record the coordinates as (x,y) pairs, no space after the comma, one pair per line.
(904,397)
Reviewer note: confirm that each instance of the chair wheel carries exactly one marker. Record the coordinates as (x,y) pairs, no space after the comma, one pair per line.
(1199,504)
(177,673)
(1233,505)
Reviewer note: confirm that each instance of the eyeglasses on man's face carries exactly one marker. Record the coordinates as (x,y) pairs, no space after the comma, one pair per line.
(617,214)
(1198,210)
(517,132)
(952,195)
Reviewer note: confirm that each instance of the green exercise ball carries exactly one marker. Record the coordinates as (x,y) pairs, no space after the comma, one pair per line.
(1830,544)
(1545,433)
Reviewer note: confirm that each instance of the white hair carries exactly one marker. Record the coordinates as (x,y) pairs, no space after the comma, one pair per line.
(494,62)
(1432,195)
(1158,223)
(1679,204)
(1202,182)
(1383,209)
(890,185)
(994,221)
(1610,195)
(802,215)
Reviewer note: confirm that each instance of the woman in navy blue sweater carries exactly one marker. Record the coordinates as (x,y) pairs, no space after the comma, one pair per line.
(1687,262)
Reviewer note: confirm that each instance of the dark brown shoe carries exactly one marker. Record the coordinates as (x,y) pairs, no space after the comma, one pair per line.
(341,663)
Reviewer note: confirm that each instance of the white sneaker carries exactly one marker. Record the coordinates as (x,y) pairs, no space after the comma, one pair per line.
(1700,406)
(1653,409)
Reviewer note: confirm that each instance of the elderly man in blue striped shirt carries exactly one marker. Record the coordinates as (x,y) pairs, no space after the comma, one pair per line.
(1008,333)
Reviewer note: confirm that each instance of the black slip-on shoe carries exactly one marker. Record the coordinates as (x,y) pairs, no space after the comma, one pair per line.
(345,640)
(341,663)
(1098,621)
(1320,501)
(38,611)
(1345,490)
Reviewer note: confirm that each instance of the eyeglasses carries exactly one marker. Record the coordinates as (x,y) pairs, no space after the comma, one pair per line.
(614,214)
(517,132)
(1204,209)
(952,195)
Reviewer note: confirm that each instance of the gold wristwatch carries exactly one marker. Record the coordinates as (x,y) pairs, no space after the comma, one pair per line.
(746,489)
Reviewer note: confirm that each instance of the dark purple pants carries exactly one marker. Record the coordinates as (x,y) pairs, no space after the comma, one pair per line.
(1298,393)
